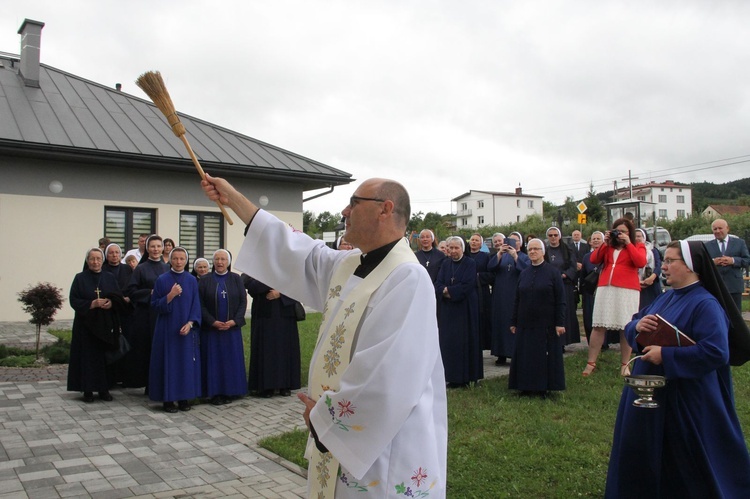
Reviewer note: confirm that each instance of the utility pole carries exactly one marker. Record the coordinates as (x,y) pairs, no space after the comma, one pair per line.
(630,183)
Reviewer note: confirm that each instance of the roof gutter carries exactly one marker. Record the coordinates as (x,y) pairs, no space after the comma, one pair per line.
(316,196)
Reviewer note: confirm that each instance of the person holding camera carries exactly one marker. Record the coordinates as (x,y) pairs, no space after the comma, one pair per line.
(506,265)
(618,291)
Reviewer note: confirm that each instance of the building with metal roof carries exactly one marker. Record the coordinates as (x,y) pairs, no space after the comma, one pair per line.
(81,160)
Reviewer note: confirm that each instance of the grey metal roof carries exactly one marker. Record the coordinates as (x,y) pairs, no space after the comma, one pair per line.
(73,117)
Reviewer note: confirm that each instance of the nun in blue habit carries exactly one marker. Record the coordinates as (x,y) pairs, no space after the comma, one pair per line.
(223,305)
(175,370)
(692,444)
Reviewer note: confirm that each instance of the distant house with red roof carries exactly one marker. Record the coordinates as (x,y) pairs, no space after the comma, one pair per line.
(722,210)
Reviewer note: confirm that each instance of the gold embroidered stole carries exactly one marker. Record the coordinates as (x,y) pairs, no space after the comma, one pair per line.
(334,348)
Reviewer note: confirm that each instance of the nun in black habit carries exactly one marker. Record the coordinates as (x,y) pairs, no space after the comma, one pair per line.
(136,362)
(539,324)
(122,273)
(563,259)
(428,255)
(92,297)
(484,280)
(458,317)
(274,341)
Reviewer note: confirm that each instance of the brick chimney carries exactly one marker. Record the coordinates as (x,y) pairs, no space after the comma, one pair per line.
(518,191)
(31,39)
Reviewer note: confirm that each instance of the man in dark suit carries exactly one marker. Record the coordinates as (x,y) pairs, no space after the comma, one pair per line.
(579,248)
(731,256)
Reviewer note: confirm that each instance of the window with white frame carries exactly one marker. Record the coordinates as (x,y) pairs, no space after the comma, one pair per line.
(530,204)
(662,213)
(662,198)
(480,204)
(681,199)
(480,220)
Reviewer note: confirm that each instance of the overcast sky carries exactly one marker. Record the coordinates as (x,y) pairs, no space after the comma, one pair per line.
(443,96)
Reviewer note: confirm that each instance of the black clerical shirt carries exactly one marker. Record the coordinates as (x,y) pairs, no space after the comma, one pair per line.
(369,261)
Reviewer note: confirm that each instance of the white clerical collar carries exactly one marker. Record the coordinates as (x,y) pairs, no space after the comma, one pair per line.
(178,271)
(221,273)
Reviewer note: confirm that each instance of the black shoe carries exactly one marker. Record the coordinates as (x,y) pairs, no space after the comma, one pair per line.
(88,397)
(183,405)
(170,407)
(228,400)
(266,394)
(500,361)
(218,400)
(285,392)
(106,396)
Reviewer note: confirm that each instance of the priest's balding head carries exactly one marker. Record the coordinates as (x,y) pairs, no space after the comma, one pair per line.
(377,214)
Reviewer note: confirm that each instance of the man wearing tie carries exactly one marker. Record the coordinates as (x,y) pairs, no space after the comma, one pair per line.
(579,247)
(731,256)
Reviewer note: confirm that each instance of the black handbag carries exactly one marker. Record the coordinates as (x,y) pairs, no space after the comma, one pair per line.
(113,356)
(590,282)
(299,311)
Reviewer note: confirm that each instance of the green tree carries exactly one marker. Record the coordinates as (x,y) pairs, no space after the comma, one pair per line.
(549,210)
(327,221)
(42,302)
(439,224)
(595,211)
(308,220)
(416,223)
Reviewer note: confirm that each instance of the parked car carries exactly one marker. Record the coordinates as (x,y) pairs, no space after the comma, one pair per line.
(663,238)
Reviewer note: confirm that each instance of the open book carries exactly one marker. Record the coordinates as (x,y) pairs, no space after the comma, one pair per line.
(665,335)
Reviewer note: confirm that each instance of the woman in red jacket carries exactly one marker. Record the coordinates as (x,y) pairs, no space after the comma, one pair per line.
(619,289)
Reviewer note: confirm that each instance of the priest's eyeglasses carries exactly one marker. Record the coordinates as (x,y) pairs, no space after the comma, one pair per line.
(356,199)
(670,261)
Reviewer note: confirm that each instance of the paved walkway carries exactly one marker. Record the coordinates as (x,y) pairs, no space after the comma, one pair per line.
(52,444)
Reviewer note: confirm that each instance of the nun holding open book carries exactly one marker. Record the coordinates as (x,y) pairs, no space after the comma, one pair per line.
(691,445)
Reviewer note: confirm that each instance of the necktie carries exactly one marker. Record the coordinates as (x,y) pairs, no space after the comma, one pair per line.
(723,246)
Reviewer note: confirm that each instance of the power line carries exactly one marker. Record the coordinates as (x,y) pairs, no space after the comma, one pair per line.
(671,172)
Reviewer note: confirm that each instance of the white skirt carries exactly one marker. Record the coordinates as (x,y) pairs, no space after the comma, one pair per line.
(614,307)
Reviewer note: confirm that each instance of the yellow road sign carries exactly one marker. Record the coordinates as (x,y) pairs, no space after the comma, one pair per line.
(582,218)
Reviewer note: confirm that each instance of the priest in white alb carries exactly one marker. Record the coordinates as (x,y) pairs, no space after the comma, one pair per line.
(376,403)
